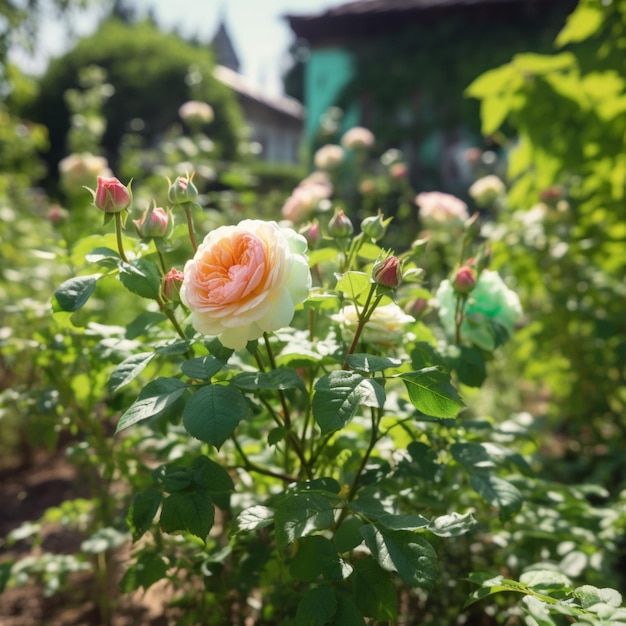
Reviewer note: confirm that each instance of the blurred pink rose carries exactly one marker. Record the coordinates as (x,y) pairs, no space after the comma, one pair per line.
(441,209)
(358,138)
(328,157)
(246,280)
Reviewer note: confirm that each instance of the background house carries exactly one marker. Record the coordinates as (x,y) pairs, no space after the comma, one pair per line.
(400,67)
(276,123)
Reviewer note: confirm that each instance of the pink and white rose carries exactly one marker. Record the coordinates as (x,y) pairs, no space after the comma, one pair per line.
(439,209)
(246,280)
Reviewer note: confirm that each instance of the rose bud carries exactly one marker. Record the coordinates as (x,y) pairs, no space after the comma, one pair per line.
(182,190)
(375,226)
(340,225)
(111,195)
(387,272)
(464,280)
(172,282)
(311,232)
(154,223)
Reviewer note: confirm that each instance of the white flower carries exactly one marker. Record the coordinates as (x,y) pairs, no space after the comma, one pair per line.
(358,138)
(246,280)
(487,190)
(196,111)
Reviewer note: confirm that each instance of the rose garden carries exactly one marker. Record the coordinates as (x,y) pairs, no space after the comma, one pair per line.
(343,398)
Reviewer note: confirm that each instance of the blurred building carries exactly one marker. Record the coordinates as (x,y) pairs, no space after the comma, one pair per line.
(276,123)
(399,67)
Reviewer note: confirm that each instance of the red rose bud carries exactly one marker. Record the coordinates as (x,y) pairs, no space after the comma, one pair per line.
(182,190)
(387,272)
(172,282)
(375,226)
(340,225)
(154,223)
(111,196)
(464,280)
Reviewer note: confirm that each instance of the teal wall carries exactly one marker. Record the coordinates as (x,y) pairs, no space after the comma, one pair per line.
(326,73)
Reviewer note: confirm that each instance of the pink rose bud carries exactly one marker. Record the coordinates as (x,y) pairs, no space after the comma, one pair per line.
(388,272)
(464,280)
(111,196)
(417,307)
(154,223)
(340,225)
(551,194)
(398,171)
(311,232)
(182,190)
(172,282)
(57,215)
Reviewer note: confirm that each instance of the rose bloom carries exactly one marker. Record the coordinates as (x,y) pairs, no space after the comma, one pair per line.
(328,156)
(490,301)
(195,111)
(358,138)
(246,280)
(487,190)
(386,327)
(78,170)
(306,197)
(441,209)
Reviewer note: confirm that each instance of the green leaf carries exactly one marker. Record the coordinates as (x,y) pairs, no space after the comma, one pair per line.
(347,613)
(213,412)
(155,397)
(374,591)
(369,363)
(589,596)
(73,293)
(143,322)
(347,536)
(147,570)
(545,580)
(317,607)
(492,82)
(423,460)
(493,113)
(431,393)
(452,525)
(202,368)
(129,369)
(278,379)
(583,23)
(338,396)
(173,477)
(409,521)
(472,456)
(5,574)
(498,492)
(142,277)
(103,255)
(353,284)
(254,518)
(142,511)
(211,476)
(316,556)
(299,515)
(191,512)
(404,552)
(538,610)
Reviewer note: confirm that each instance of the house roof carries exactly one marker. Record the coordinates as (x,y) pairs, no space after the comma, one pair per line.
(366,16)
(238,83)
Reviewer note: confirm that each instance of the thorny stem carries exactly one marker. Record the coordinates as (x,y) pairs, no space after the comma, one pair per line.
(118,234)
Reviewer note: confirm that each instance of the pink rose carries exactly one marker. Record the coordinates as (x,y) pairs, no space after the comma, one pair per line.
(111,196)
(246,280)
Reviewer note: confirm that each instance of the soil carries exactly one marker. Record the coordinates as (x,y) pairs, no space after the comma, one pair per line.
(26,491)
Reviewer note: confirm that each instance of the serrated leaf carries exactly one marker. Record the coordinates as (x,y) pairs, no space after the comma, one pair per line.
(129,369)
(339,395)
(213,412)
(147,570)
(254,518)
(274,380)
(498,492)
(411,521)
(142,511)
(316,556)
(74,293)
(211,476)
(191,512)
(374,591)
(404,552)
(370,363)
(202,368)
(431,393)
(317,607)
(300,514)
(142,277)
(153,400)
(452,525)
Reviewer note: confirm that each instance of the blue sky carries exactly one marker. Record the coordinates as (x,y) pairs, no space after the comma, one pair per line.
(260,35)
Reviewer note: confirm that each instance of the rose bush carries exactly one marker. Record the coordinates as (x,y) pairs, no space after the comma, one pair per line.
(246,280)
